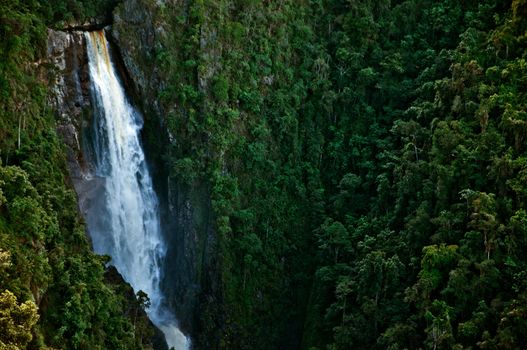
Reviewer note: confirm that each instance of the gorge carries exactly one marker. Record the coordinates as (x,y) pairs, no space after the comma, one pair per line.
(272,175)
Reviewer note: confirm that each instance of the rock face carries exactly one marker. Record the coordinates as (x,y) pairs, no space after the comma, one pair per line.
(191,269)
(70,96)
(133,32)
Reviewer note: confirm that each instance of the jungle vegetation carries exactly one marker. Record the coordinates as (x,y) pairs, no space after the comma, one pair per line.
(366,162)
(367,166)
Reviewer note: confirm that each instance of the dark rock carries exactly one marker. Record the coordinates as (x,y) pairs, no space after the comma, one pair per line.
(90,25)
(191,271)
(134,33)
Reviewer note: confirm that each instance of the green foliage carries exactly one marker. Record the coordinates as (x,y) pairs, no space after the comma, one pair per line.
(16,321)
(371,153)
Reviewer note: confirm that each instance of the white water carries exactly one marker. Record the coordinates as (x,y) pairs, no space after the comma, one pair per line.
(126,223)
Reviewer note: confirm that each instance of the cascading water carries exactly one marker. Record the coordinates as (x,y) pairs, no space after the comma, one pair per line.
(125,223)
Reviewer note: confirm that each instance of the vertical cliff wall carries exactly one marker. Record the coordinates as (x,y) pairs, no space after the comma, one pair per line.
(70,96)
(191,268)
(138,33)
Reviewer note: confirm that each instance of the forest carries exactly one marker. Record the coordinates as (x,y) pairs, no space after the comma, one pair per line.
(365,162)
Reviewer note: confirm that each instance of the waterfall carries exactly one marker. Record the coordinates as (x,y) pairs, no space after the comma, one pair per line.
(124,223)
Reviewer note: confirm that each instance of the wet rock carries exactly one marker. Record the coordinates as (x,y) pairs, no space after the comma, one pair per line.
(133,31)
(96,23)
(70,96)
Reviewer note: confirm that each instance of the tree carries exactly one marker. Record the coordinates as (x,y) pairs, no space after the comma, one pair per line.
(16,321)
(484,217)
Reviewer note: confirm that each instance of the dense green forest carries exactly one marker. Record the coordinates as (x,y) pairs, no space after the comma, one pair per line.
(366,165)
(365,162)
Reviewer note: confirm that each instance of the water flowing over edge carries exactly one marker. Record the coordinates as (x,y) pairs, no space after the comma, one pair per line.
(125,222)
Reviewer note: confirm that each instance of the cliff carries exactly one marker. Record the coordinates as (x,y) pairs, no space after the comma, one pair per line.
(191,268)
